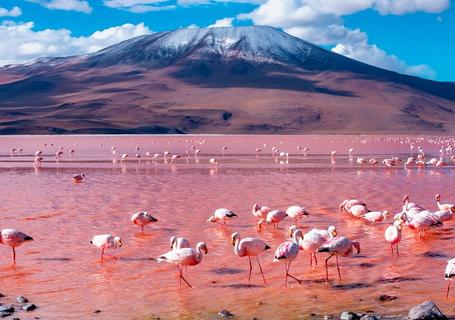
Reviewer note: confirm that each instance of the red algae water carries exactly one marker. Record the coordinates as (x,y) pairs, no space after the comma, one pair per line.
(61,272)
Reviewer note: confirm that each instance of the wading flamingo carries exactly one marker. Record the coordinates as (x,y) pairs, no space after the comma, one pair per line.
(78,177)
(376,216)
(449,274)
(287,252)
(142,218)
(249,247)
(348,204)
(296,212)
(274,216)
(185,257)
(14,239)
(106,241)
(444,207)
(260,211)
(222,215)
(338,246)
(393,234)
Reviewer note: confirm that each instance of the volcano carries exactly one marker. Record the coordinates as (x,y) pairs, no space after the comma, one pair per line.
(230,80)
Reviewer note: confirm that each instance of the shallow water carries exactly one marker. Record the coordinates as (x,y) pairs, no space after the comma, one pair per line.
(61,272)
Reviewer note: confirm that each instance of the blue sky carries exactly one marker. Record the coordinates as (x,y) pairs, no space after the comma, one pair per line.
(408,36)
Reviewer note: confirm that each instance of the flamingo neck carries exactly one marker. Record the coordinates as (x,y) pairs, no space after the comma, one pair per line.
(237,246)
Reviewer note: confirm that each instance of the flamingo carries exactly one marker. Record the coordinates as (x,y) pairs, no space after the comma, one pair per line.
(338,246)
(124,157)
(287,252)
(260,211)
(422,221)
(249,247)
(348,204)
(78,177)
(312,240)
(376,216)
(332,155)
(213,161)
(362,161)
(393,234)
(350,151)
(185,257)
(411,208)
(444,207)
(142,218)
(449,274)
(174,158)
(106,241)
(222,215)
(13,238)
(274,216)
(296,212)
(373,161)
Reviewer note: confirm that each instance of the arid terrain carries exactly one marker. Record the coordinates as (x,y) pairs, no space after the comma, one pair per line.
(255,80)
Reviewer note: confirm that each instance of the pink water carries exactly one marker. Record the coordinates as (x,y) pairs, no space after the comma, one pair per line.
(61,272)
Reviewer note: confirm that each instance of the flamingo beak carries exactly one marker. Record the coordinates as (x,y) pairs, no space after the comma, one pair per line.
(206,250)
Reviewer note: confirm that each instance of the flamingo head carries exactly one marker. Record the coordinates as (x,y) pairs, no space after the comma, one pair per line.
(398,224)
(173,239)
(212,219)
(332,231)
(291,230)
(202,247)
(255,207)
(405,199)
(343,204)
(261,222)
(437,197)
(234,237)
(385,214)
(118,241)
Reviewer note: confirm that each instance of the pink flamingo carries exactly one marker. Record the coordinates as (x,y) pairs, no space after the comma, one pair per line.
(14,239)
(444,207)
(312,240)
(222,215)
(348,204)
(260,211)
(449,274)
(296,212)
(142,218)
(422,221)
(106,241)
(249,247)
(174,158)
(338,246)
(393,234)
(376,216)
(287,252)
(185,257)
(274,216)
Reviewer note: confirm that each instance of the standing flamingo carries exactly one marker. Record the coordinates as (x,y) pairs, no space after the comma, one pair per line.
(287,252)
(296,212)
(185,257)
(444,207)
(260,211)
(393,234)
(348,204)
(274,216)
(142,218)
(376,216)
(338,246)
(449,274)
(249,247)
(222,215)
(106,241)
(13,238)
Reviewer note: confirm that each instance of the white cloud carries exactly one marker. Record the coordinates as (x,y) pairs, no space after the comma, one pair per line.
(138,6)
(20,43)
(225,22)
(14,12)
(67,5)
(320,21)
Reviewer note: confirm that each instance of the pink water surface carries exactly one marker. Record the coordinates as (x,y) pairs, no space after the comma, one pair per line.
(61,272)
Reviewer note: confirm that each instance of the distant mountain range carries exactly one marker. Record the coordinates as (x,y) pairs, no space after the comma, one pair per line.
(255,79)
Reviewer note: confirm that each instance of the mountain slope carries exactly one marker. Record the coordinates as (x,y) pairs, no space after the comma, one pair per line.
(219,80)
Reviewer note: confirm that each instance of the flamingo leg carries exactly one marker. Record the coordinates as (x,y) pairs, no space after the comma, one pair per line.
(315,259)
(251,268)
(398,254)
(142,228)
(289,275)
(14,255)
(181,277)
(260,268)
(286,268)
(391,248)
(327,268)
(448,289)
(102,254)
(338,267)
(311,260)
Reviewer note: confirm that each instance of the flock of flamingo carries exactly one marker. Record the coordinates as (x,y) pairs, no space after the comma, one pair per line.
(315,241)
